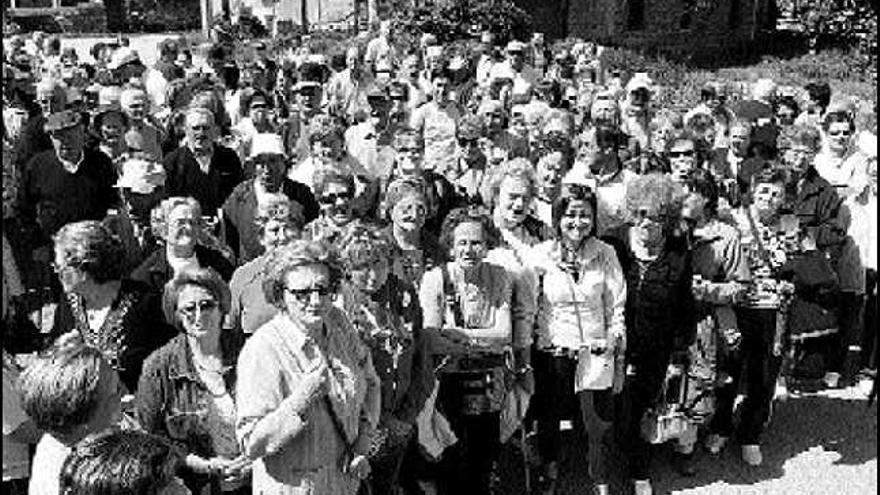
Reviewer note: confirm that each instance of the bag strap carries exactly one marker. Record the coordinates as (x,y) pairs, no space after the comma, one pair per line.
(762,251)
(340,429)
(451,299)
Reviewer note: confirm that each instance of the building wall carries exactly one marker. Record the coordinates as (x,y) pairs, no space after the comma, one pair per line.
(710,27)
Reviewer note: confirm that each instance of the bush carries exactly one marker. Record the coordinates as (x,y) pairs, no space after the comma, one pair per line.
(457,19)
(159,16)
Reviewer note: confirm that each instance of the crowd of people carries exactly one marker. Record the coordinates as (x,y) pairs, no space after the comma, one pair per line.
(291,272)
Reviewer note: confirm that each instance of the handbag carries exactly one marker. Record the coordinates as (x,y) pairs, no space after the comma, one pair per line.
(666,421)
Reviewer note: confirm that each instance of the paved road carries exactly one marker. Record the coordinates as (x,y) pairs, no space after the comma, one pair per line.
(817,444)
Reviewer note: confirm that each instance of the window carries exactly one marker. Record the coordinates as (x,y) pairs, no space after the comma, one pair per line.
(635,16)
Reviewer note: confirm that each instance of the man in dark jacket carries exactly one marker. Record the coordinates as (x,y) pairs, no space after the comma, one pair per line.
(200,168)
(69,183)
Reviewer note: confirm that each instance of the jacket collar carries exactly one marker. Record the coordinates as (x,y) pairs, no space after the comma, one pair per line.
(181,364)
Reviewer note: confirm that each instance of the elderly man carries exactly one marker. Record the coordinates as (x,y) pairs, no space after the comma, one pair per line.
(347,89)
(135,104)
(51,97)
(270,177)
(380,49)
(201,168)
(514,66)
(69,183)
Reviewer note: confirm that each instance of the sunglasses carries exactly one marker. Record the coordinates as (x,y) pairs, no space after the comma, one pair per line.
(189,311)
(305,295)
(678,154)
(332,198)
(839,133)
(465,143)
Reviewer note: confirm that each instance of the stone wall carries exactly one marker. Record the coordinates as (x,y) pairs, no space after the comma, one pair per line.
(676,26)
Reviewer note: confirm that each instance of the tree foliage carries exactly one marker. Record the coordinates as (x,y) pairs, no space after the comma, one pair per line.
(457,19)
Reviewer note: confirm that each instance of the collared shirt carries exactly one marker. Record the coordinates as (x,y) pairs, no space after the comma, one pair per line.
(438,126)
(72,167)
(203,158)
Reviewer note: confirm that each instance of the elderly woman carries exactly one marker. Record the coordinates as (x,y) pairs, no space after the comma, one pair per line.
(721,275)
(278,221)
(385,311)
(122,318)
(187,390)
(659,309)
(581,334)
(468,316)
(767,237)
(684,157)
(108,126)
(308,396)
(178,221)
(269,170)
(414,249)
(70,393)
(125,461)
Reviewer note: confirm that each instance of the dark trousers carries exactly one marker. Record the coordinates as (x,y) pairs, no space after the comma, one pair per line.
(754,373)
(852,311)
(385,466)
(869,328)
(591,411)
(642,388)
(467,467)
(15,487)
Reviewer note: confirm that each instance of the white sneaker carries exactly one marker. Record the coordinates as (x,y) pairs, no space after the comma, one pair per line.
(643,487)
(602,489)
(781,393)
(866,384)
(751,454)
(715,443)
(832,379)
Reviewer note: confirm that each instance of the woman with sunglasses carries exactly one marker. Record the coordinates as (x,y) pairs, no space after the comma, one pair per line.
(581,335)
(187,390)
(468,317)
(335,192)
(659,310)
(308,395)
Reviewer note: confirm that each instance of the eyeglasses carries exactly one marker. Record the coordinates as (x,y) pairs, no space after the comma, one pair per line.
(332,198)
(409,150)
(305,295)
(465,143)
(183,222)
(679,154)
(190,310)
(842,132)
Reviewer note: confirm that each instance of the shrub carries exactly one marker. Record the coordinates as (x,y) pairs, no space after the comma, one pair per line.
(457,19)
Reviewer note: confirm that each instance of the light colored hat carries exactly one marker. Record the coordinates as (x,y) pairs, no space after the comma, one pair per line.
(266,143)
(640,80)
(516,46)
(109,96)
(764,89)
(434,51)
(141,176)
(123,55)
(130,95)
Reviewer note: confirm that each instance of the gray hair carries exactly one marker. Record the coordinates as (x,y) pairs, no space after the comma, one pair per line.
(206,278)
(159,216)
(91,247)
(61,390)
(517,168)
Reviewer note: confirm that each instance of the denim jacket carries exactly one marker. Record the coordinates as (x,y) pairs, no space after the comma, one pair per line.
(172,401)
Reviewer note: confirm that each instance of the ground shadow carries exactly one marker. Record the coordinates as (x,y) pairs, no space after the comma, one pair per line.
(845,427)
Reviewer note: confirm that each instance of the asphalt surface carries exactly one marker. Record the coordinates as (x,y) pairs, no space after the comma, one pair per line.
(822,443)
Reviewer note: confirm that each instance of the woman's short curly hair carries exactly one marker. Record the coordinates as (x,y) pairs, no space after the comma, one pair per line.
(841,116)
(517,168)
(364,244)
(279,207)
(406,187)
(159,217)
(206,278)
(656,194)
(91,247)
(468,214)
(285,259)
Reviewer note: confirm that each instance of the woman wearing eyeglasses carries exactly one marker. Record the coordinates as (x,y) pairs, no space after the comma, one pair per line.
(187,390)
(308,395)
(581,335)
(659,313)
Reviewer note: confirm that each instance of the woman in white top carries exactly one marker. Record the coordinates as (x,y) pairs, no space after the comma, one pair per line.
(581,333)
